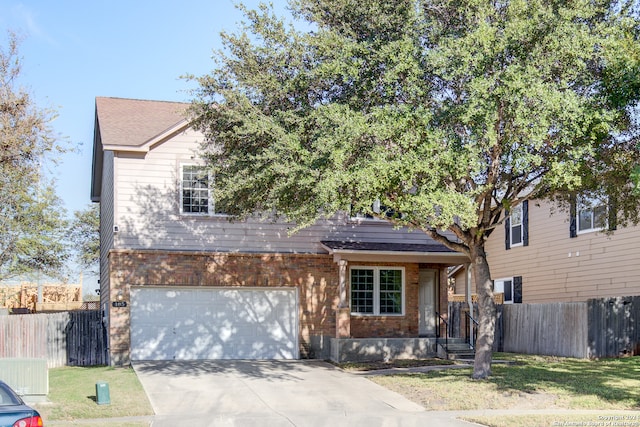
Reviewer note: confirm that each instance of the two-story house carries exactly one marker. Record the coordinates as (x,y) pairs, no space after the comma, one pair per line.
(547,254)
(179,280)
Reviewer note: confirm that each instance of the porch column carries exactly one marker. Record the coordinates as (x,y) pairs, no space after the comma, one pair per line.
(343,313)
(443,299)
(342,271)
(469,298)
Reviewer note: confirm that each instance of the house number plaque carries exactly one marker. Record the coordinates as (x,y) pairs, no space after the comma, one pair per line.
(119,304)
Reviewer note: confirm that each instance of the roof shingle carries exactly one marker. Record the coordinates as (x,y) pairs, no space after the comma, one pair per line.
(133,122)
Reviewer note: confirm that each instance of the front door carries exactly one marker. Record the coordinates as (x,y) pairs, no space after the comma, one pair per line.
(427,302)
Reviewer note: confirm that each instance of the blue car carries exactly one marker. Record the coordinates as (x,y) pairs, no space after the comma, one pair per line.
(14,412)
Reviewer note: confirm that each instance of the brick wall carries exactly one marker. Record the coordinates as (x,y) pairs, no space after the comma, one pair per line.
(392,326)
(315,276)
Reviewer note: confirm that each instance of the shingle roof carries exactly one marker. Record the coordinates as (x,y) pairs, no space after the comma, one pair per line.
(385,247)
(133,122)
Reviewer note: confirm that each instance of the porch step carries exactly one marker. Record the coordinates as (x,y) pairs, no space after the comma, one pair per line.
(457,349)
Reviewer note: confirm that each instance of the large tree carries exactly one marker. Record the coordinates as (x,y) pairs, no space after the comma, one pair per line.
(448,112)
(32,219)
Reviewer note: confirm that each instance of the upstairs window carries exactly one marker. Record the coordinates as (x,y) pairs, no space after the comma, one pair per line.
(516,226)
(377,291)
(378,209)
(195,191)
(591,215)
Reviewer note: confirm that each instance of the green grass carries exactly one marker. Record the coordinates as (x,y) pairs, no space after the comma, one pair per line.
(631,419)
(72,394)
(530,382)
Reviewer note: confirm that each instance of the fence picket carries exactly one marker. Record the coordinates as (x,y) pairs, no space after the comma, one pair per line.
(606,327)
(74,338)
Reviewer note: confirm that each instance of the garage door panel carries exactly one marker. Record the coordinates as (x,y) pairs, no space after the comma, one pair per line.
(190,324)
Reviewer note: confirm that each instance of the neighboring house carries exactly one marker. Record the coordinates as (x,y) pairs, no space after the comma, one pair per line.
(544,254)
(180,281)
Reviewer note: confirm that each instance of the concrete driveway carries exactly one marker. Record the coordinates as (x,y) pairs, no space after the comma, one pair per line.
(274,393)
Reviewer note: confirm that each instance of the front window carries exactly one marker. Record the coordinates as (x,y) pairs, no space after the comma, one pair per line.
(516,226)
(591,215)
(377,290)
(195,190)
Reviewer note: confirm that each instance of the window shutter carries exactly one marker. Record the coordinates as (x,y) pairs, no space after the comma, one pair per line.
(507,231)
(525,223)
(573,227)
(517,290)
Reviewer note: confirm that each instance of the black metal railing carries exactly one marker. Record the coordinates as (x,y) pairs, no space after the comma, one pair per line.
(446,332)
(473,323)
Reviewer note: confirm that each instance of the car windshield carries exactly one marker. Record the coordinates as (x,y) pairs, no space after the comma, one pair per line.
(7,397)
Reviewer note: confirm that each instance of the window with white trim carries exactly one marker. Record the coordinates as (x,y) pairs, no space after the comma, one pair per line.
(195,191)
(516,228)
(591,215)
(511,288)
(377,291)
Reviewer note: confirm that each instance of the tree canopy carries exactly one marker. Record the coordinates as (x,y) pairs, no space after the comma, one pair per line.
(84,233)
(446,112)
(32,219)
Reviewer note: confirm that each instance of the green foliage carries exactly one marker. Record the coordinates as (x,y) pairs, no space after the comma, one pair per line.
(32,220)
(84,233)
(447,112)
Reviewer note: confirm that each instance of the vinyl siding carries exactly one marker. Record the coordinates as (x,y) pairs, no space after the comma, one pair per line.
(106,225)
(555,267)
(148,215)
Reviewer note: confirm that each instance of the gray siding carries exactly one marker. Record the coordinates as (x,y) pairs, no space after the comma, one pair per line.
(147,212)
(106,225)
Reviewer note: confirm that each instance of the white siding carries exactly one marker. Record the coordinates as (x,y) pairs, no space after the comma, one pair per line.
(148,212)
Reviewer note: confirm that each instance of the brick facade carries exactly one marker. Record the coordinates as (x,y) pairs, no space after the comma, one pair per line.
(392,326)
(315,275)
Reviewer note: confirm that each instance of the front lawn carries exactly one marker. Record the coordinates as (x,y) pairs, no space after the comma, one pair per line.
(529,382)
(72,394)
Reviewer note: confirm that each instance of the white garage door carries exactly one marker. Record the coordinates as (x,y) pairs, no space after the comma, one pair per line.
(213,323)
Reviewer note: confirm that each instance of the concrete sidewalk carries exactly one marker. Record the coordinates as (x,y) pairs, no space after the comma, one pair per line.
(436,418)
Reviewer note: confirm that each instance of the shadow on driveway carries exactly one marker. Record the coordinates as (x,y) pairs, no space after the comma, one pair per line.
(273,393)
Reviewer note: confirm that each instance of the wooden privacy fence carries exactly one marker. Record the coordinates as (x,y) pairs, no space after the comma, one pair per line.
(75,338)
(608,327)
(614,327)
(558,329)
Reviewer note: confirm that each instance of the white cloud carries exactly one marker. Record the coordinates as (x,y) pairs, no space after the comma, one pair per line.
(25,19)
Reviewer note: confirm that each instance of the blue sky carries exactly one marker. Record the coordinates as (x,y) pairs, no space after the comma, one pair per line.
(74,51)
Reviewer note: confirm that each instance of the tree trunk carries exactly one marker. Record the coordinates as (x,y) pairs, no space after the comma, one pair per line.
(486,312)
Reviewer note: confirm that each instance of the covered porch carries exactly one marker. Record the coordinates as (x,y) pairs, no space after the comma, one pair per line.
(409,332)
